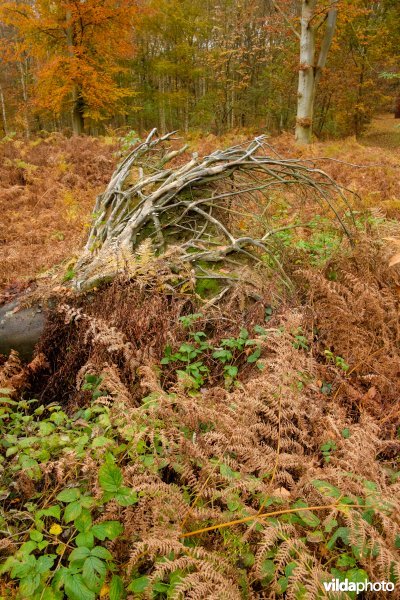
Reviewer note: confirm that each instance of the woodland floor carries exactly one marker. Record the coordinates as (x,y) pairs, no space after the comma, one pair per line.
(118,447)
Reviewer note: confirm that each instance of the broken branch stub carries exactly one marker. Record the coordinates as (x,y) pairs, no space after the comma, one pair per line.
(206,209)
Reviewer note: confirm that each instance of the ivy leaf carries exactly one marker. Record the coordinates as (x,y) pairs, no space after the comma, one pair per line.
(76,589)
(69,495)
(110,477)
(107,530)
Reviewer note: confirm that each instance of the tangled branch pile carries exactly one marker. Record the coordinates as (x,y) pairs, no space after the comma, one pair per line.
(207,209)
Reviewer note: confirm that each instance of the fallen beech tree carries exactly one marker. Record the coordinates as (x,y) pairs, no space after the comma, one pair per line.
(194,207)
(208,219)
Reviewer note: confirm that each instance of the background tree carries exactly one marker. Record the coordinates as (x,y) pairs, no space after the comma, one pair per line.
(206,66)
(78,49)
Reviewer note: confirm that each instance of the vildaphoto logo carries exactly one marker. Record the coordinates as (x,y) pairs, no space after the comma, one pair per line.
(336,585)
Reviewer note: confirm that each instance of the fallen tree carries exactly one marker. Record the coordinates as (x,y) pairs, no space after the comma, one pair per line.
(208,219)
(195,207)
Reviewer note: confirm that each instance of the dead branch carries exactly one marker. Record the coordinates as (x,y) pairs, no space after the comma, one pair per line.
(184,205)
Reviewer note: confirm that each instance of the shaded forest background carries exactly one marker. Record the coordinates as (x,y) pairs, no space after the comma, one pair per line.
(206,66)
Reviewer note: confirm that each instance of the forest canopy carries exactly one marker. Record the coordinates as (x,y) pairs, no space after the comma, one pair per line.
(210,66)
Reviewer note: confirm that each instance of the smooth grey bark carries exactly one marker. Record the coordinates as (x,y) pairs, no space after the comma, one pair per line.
(310,69)
(3,111)
(20,330)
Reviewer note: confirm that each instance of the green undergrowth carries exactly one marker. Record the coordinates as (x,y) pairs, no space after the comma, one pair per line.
(60,542)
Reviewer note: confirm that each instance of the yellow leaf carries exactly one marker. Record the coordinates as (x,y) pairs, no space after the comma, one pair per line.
(104,591)
(55,529)
(61,549)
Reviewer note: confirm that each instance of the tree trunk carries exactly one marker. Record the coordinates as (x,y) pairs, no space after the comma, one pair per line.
(310,71)
(78,107)
(397,107)
(23,77)
(305,105)
(3,111)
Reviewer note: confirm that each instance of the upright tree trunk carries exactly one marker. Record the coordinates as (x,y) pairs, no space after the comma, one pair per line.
(3,111)
(78,107)
(310,70)
(397,107)
(78,104)
(305,104)
(23,78)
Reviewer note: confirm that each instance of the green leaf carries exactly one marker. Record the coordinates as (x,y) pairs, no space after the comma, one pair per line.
(101,552)
(231,371)
(117,590)
(28,585)
(139,585)
(226,471)
(72,511)
(110,477)
(267,569)
(357,575)
(69,495)
(94,572)
(36,536)
(83,522)
(79,554)
(345,560)
(107,530)
(85,539)
(52,511)
(327,489)
(260,330)
(22,569)
(340,533)
(45,428)
(253,357)
(28,547)
(76,589)
(45,562)
(306,515)
(126,497)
